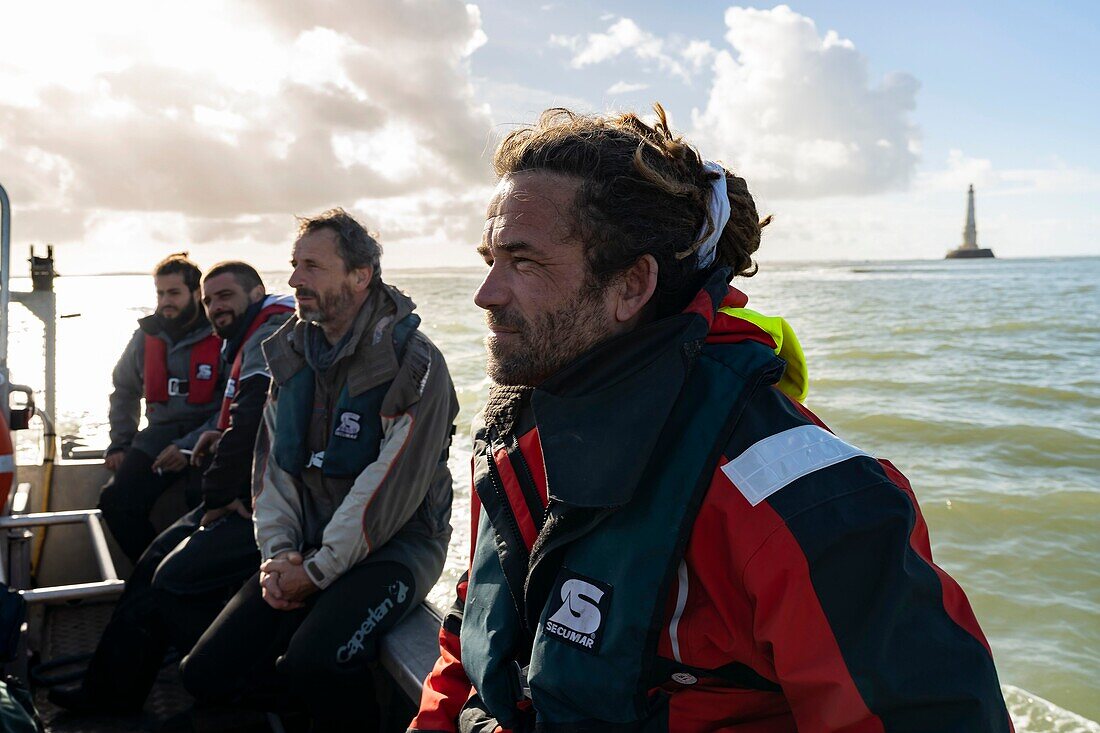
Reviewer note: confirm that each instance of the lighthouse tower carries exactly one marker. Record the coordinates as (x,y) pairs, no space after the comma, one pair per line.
(970,231)
(969,248)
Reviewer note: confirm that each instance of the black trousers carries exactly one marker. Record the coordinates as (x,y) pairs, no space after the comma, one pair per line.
(177,588)
(317,657)
(127,500)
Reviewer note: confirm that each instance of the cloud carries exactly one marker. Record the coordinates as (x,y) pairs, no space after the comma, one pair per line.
(623,36)
(698,54)
(623,87)
(225,120)
(927,219)
(796,113)
(517,104)
(962,170)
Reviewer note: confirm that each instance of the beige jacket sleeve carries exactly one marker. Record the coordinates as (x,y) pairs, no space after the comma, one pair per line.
(276,506)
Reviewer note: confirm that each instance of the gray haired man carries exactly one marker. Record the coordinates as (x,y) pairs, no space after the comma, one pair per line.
(352,493)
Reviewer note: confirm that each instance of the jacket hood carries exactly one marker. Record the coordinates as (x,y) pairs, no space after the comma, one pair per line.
(730,321)
(371,342)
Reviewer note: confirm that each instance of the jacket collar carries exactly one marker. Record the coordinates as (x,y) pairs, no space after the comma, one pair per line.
(371,342)
(232,345)
(600,417)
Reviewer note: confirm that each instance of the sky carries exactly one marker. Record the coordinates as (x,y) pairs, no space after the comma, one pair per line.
(132,129)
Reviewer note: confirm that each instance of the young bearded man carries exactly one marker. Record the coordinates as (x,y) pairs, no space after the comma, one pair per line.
(173,360)
(191,569)
(667,539)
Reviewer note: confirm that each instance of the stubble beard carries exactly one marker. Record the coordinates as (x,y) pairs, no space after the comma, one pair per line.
(544,345)
(328,305)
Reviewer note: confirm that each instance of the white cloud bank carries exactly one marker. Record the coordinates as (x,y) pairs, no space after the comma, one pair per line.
(796,113)
(214,122)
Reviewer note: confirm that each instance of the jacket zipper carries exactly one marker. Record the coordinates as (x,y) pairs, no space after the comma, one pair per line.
(527,480)
(502,495)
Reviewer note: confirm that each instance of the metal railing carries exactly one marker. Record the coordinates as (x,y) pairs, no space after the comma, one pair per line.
(15,550)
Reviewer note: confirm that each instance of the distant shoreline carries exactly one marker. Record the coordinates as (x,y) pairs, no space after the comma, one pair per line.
(763,263)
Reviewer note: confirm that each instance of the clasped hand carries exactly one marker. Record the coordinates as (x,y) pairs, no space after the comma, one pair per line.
(285,583)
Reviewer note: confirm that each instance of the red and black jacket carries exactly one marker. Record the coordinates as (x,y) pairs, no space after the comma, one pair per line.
(814,606)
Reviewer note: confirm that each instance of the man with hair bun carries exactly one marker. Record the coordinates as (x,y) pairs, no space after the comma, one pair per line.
(667,539)
(193,567)
(173,362)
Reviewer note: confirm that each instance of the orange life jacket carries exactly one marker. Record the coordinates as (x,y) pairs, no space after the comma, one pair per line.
(202,376)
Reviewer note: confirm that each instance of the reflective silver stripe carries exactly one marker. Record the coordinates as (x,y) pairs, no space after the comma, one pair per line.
(681,601)
(772,463)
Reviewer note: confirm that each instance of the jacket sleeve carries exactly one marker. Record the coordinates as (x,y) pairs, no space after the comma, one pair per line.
(129,387)
(421,407)
(447,689)
(228,476)
(187,442)
(448,702)
(276,506)
(863,630)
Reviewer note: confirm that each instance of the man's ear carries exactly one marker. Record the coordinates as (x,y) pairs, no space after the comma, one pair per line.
(635,288)
(256,294)
(362,277)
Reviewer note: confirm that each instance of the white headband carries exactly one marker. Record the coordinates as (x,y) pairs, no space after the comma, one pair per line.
(719,209)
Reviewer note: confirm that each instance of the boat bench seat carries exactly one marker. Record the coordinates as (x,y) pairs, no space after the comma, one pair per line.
(411,649)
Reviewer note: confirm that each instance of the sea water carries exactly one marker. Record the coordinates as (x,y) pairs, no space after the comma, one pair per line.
(980,380)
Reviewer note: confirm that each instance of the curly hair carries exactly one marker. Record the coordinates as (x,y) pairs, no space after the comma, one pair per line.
(643,190)
(356,247)
(180,264)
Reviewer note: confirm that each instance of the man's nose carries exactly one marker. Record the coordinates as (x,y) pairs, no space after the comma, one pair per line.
(493,291)
(295,281)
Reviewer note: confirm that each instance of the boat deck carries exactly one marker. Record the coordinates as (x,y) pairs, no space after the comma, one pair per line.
(70,630)
(74,629)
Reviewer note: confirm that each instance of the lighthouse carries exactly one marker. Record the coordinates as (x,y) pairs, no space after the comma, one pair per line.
(969,248)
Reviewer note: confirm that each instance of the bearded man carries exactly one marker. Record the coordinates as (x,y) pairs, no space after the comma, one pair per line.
(193,567)
(667,539)
(352,491)
(173,360)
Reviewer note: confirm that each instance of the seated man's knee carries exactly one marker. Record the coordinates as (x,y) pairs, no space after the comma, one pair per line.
(201,675)
(178,573)
(302,664)
(113,497)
